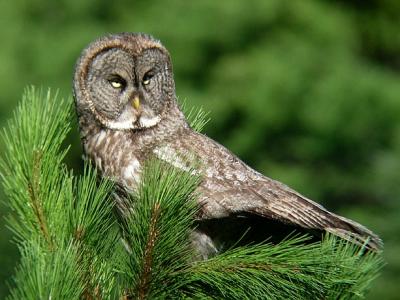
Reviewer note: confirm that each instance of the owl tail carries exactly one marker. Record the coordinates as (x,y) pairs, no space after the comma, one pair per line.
(292,208)
(355,232)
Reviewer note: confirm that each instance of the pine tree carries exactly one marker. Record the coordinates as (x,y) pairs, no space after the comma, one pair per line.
(73,246)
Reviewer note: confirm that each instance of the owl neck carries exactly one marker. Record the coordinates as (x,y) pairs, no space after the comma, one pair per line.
(172,122)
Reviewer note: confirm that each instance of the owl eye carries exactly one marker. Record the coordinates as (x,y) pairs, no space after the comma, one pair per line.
(147,77)
(117,82)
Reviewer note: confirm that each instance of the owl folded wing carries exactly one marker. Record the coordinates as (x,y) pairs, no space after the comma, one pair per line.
(230,187)
(272,200)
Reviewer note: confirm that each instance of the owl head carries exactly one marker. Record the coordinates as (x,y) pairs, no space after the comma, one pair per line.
(125,81)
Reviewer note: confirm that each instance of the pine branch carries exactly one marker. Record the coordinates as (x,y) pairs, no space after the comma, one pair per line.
(68,239)
(34,190)
(57,218)
(145,277)
(292,269)
(158,230)
(32,160)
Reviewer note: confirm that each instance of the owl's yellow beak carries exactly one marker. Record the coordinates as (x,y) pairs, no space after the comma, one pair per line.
(136,102)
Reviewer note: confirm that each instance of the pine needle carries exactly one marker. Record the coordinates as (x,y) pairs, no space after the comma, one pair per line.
(196,116)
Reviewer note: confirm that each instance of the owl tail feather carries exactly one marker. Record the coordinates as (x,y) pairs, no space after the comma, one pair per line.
(356,233)
(295,209)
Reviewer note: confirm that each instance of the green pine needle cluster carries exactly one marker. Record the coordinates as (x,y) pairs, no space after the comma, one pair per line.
(73,246)
(157,232)
(196,116)
(292,269)
(62,223)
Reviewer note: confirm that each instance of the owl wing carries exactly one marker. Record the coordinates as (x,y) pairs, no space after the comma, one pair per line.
(230,187)
(272,200)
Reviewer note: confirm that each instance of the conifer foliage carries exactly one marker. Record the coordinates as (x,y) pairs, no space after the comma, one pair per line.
(73,246)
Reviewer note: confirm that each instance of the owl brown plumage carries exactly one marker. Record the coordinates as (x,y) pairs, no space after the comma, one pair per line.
(127,110)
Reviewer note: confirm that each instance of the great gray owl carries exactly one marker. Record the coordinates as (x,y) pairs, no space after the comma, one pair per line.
(128,111)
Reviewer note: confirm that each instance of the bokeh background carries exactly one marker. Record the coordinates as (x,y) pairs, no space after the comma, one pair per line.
(307,92)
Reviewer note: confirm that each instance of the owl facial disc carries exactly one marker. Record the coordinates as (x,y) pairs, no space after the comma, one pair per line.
(125,82)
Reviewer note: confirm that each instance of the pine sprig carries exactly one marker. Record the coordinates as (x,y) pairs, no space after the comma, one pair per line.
(158,229)
(47,274)
(57,218)
(196,116)
(91,218)
(292,269)
(32,160)
(354,268)
(94,232)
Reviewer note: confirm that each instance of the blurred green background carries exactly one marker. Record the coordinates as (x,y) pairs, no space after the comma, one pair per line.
(307,92)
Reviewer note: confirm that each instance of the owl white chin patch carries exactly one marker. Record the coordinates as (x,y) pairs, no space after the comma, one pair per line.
(126,120)
(145,122)
(122,125)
